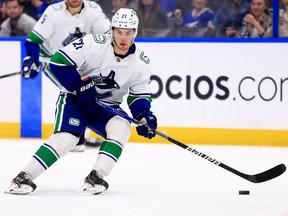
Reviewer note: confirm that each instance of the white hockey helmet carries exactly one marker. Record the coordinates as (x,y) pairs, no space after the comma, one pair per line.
(125,18)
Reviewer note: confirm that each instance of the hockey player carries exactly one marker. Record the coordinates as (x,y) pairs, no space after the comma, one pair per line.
(97,67)
(60,24)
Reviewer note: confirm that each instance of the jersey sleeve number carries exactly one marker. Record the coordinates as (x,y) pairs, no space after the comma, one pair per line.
(43,19)
(78,44)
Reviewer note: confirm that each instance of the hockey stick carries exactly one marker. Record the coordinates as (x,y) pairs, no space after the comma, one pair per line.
(257,178)
(10,74)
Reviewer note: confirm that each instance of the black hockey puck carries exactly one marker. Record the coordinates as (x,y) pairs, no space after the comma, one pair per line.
(244,192)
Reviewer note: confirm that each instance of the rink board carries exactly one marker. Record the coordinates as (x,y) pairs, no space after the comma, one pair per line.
(216,92)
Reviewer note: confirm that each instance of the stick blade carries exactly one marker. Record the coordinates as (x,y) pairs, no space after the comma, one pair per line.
(268,174)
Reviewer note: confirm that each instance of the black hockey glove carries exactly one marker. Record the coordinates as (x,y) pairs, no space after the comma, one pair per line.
(86,93)
(30,67)
(149,120)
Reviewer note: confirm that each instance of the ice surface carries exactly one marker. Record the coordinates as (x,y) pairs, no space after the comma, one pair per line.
(149,180)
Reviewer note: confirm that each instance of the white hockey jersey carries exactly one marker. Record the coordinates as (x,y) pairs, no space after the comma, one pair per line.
(94,55)
(57,27)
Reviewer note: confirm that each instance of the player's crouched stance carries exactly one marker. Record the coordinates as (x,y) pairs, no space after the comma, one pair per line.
(103,68)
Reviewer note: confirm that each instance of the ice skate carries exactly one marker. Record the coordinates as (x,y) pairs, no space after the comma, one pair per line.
(22,184)
(94,184)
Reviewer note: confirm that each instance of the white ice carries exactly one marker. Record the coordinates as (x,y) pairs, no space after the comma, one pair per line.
(149,180)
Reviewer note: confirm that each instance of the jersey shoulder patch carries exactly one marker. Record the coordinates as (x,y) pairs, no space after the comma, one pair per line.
(92,4)
(57,7)
(144,58)
(100,38)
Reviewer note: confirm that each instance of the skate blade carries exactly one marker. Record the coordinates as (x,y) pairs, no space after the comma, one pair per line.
(88,189)
(16,190)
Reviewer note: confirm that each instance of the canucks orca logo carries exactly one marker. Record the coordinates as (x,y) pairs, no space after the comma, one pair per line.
(107,82)
(77,34)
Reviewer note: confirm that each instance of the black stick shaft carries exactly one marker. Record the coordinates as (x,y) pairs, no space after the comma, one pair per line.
(257,178)
(10,74)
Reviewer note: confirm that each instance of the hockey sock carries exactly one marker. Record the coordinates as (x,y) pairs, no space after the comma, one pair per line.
(46,156)
(41,160)
(109,153)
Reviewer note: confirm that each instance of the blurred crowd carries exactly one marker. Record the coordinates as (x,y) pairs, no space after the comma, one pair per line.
(167,18)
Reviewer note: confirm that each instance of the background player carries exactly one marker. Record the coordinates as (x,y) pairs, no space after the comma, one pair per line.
(60,24)
(97,67)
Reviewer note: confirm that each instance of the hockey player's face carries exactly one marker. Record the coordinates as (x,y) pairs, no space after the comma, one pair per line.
(123,39)
(74,3)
